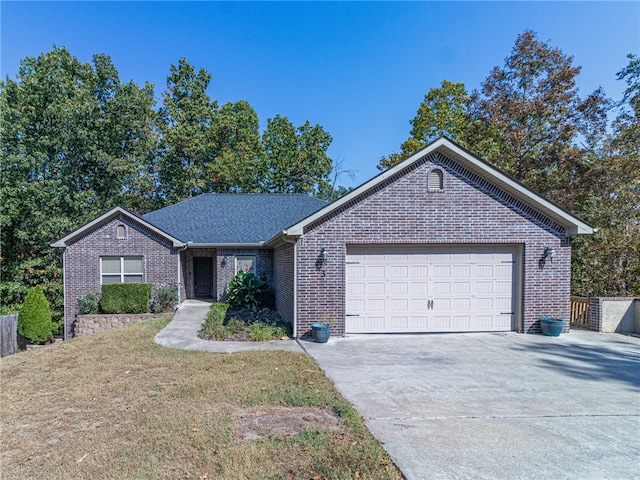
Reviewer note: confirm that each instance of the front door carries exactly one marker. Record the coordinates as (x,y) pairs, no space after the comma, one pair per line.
(202,276)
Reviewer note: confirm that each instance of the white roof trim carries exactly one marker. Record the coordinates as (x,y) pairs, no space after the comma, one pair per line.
(574,225)
(114,212)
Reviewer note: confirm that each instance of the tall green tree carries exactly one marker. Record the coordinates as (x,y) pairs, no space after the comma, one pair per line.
(608,263)
(75,142)
(238,165)
(187,134)
(295,159)
(532,118)
(443,112)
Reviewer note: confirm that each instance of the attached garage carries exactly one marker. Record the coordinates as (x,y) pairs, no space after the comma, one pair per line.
(440,242)
(410,289)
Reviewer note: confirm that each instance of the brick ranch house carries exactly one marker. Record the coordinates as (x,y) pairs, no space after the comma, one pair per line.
(441,242)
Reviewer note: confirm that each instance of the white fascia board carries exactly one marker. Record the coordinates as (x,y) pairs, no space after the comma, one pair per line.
(298,228)
(114,212)
(573,224)
(225,245)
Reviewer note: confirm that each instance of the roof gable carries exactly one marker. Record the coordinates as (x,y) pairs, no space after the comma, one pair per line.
(493,175)
(108,216)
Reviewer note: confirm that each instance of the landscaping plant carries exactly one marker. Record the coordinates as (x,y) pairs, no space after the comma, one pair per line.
(34,319)
(247,291)
(125,297)
(165,298)
(88,304)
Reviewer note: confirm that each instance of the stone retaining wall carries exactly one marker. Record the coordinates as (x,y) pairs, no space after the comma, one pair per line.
(90,324)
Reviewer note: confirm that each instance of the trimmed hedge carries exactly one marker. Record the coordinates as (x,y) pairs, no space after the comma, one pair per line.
(125,297)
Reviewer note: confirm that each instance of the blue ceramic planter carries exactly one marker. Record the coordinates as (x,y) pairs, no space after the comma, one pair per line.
(551,327)
(320,332)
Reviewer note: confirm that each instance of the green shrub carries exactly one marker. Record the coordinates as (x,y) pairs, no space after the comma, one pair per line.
(88,304)
(165,298)
(34,319)
(247,291)
(125,297)
(213,326)
(261,332)
(235,325)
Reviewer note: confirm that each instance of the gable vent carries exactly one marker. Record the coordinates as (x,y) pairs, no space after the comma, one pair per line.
(435,180)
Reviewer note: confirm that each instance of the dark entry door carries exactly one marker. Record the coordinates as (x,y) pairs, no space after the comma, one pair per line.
(202,276)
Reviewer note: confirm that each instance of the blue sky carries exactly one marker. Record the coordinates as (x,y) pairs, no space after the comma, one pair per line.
(359,69)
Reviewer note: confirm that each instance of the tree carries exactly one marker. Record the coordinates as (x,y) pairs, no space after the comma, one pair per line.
(608,263)
(34,319)
(186,127)
(532,119)
(443,112)
(238,149)
(75,142)
(296,160)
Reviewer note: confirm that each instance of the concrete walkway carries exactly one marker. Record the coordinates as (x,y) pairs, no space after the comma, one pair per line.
(182,333)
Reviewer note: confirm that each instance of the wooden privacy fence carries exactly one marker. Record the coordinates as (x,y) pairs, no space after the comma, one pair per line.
(579,312)
(8,335)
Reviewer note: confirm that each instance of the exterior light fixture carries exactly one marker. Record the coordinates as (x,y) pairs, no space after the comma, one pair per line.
(549,253)
(324,256)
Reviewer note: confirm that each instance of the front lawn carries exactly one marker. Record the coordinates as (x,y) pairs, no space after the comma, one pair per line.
(116,405)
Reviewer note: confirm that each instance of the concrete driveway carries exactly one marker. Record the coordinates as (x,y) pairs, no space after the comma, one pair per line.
(498,406)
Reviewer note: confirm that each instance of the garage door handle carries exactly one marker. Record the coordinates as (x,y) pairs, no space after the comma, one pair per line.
(352,315)
(507,313)
(429,304)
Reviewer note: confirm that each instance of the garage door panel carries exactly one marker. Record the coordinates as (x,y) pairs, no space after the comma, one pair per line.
(375,271)
(376,288)
(398,323)
(419,288)
(430,289)
(398,288)
(375,305)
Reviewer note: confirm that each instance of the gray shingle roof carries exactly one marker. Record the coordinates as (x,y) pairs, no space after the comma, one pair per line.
(233,218)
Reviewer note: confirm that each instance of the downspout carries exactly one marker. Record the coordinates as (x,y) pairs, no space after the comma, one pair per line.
(295,285)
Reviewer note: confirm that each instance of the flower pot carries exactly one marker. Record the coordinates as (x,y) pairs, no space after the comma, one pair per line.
(320,332)
(551,327)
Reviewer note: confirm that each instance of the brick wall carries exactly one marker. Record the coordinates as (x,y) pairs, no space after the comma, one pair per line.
(400,210)
(82,260)
(283,275)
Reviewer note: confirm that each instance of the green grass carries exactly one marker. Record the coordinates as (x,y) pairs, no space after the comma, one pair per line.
(116,405)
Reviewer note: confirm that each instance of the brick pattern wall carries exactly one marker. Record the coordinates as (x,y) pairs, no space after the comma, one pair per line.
(90,324)
(82,260)
(401,211)
(226,266)
(283,275)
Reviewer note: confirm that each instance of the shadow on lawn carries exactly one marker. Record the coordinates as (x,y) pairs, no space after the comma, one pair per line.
(616,361)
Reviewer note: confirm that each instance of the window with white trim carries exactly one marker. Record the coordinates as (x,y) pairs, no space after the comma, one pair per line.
(121,232)
(246,263)
(121,269)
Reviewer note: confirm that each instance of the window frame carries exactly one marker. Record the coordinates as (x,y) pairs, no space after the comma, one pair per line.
(122,274)
(254,270)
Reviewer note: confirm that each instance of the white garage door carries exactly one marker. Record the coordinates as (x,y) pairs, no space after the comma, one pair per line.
(430,289)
